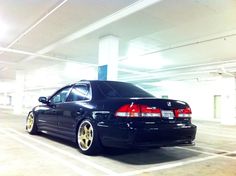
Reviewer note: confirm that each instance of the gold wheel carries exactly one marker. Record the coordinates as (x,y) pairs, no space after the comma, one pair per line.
(85,135)
(30,122)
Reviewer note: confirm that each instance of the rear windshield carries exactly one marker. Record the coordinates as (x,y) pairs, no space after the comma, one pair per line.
(121,89)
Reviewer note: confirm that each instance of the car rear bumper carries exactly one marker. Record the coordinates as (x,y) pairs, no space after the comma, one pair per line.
(125,136)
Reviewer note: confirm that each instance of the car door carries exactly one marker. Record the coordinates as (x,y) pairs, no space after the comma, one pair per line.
(73,109)
(48,119)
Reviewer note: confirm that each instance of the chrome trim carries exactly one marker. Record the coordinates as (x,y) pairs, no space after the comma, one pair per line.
(42,121)
(94,113)
(101,124)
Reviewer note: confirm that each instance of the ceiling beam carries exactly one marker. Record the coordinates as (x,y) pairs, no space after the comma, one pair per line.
(135,7)
(7,63)
(222,37)
(197,42)
(40,56)
(182,70)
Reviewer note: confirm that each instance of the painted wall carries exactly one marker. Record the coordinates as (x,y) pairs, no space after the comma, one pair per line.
(199,94)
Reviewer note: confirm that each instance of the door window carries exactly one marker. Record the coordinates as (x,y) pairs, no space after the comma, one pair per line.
(79,92)
(60,97)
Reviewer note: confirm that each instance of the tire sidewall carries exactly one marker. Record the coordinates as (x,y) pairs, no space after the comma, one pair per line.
(34,128)
(95,146)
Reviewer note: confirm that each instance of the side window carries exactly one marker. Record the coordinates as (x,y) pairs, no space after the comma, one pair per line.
(79,92)
(60,97)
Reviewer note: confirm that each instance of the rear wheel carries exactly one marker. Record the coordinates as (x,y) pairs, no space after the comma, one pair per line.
(87,138)
(31,125)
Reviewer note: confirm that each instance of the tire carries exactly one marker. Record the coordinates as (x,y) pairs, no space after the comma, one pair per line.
(31,125)
(87,138)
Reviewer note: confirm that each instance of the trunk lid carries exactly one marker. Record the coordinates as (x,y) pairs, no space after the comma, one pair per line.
(163,104)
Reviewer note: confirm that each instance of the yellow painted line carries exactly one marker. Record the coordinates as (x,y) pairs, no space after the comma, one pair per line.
(81,159)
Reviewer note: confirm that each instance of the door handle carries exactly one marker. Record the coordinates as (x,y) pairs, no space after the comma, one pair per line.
(80,111)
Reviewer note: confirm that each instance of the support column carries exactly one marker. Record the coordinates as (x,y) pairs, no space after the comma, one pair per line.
(228,111)
(5,98)
(108,58)
(19,92)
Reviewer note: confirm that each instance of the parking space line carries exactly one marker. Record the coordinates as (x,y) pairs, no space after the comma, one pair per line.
(108,171)
(173,165)
(216,127)
(213,149)
(207,153)
(80,159)
(230,130)
(219,135)
(75,168)
(195,150)
(167,166)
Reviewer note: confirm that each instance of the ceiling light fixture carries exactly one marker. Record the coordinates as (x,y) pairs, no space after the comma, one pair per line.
(3,29)
(122,13)
(152,61)
(3,69)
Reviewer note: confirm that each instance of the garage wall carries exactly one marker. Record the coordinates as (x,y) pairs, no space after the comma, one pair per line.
(44,82)
(200,95)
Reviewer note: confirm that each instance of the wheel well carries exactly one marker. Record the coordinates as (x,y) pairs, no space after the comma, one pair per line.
(77,127)
(80,120)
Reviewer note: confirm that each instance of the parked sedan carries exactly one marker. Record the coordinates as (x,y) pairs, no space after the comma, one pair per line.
(95,114)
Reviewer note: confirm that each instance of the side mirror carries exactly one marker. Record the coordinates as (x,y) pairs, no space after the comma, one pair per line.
(43,100)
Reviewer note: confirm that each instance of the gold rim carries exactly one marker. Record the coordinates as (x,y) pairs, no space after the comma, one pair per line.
(85,135)
(30,123)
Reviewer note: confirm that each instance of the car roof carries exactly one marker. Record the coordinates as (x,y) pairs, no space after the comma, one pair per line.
(90,81)
(87,81)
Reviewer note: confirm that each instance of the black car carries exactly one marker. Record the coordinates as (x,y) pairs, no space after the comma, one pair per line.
(95,114)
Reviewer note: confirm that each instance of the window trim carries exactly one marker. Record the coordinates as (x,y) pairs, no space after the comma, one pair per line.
(89,92)
(60,90)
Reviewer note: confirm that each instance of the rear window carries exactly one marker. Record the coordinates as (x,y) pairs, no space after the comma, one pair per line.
(120,89)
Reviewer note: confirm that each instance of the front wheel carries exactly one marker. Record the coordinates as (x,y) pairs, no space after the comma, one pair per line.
(31,125)
(87,138)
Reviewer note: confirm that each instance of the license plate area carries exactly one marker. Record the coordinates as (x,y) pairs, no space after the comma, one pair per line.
(167,114)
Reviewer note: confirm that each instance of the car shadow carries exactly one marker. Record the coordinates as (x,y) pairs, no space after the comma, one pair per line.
(148,156)
(136,156)
(58,140)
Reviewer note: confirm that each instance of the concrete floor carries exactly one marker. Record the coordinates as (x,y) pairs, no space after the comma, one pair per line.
(22,154)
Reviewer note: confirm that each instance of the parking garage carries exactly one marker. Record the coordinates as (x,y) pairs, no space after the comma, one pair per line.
(173,50)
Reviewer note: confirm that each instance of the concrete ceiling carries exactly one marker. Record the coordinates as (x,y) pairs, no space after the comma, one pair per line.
(168,39)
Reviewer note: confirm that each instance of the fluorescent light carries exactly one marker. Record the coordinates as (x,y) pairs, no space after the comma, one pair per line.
(151,61)
(137,57)
(3,69)
(76,71)
(3,29)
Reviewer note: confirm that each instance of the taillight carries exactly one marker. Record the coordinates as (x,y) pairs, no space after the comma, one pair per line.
(137,110)
(128,110)
(183,112)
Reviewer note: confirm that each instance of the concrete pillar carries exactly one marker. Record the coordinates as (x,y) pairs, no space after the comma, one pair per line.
(108,58)
(19,92)
(5,98)
(228,111)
